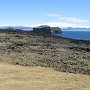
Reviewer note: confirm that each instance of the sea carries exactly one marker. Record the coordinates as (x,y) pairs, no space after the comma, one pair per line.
(78,35)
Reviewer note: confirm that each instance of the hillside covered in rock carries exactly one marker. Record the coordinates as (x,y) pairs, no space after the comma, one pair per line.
(34,49)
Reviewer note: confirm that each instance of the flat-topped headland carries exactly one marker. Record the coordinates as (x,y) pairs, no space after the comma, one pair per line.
(30,48)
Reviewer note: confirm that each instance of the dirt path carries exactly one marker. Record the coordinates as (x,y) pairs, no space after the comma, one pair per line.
(14,77)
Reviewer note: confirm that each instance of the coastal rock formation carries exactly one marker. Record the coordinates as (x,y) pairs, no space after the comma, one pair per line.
(47,29)
(56,30)
(42,29)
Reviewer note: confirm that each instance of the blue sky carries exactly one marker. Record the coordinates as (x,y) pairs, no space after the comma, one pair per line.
(63,13)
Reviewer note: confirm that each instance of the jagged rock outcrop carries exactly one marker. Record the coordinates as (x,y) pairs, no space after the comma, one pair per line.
(56,30)
(42,29)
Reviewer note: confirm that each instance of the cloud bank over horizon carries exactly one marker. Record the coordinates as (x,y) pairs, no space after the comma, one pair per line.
(52,24)
(60,24)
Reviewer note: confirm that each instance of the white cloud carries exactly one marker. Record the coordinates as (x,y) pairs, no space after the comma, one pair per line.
(70,19)
(73,19)
(53,15)
(60,24)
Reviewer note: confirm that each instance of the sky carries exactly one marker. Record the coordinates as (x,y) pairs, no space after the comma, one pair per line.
(62,13)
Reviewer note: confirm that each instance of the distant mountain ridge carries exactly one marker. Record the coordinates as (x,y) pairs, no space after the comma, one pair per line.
(18,27)
(76,29)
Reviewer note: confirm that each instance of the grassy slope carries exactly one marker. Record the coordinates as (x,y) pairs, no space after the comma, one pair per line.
(15,77)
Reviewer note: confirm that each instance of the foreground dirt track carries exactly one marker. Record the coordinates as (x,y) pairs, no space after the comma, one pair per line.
(15,77)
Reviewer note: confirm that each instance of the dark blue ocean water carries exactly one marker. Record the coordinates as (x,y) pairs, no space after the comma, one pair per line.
(80,35)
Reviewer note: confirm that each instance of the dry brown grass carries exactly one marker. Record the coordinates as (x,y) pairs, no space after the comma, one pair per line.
(15,77)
